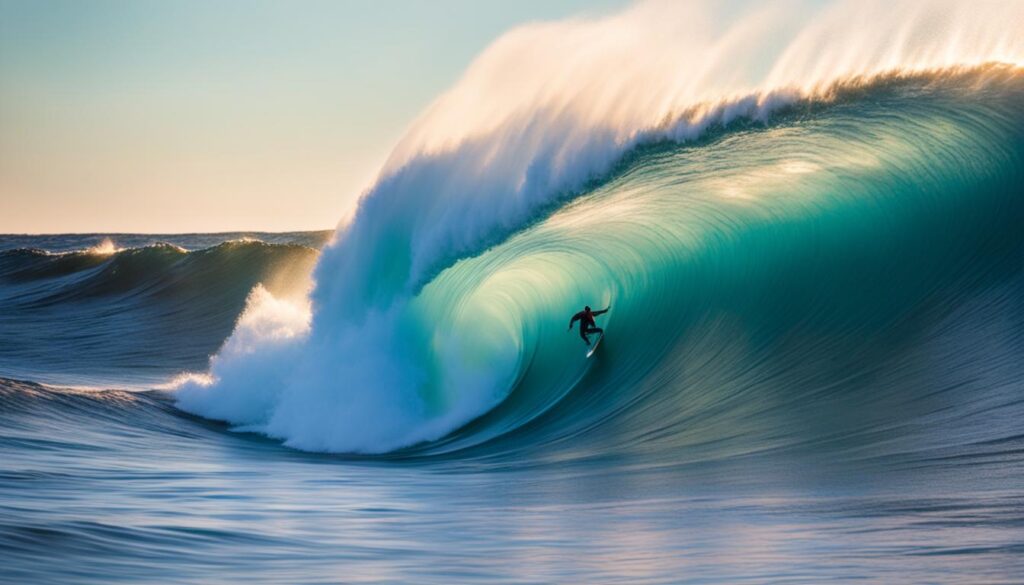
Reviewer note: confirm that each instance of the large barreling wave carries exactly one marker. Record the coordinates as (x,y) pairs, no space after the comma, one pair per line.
(806,220)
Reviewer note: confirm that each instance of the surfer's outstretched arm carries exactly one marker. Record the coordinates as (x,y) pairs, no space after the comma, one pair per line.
(596,313)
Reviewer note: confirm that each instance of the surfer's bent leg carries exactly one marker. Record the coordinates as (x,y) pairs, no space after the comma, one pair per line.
(583,333)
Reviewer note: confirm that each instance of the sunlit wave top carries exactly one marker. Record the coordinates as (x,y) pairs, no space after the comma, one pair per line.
(650,64)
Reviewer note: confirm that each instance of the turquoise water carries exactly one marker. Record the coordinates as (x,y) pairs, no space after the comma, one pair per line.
(772,280)
(814,371)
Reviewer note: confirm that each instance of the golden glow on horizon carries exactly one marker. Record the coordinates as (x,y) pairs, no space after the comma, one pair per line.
(195,116)
(193,157)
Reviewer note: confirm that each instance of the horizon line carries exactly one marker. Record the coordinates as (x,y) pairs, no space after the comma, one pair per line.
(163,233)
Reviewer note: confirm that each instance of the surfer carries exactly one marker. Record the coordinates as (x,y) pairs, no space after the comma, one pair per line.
(587,324)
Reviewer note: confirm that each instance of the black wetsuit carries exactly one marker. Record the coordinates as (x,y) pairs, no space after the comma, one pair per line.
(587,324)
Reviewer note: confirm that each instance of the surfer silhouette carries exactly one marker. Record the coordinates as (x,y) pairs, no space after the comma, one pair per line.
(587,324)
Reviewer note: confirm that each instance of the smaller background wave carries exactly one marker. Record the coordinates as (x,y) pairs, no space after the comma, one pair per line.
(132,309)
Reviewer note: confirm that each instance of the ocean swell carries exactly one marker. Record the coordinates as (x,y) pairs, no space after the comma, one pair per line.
(134,315)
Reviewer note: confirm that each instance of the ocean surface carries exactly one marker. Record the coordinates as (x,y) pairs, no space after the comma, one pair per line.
(813,369)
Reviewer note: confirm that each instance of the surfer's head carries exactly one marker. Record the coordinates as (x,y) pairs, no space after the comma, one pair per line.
(587,308)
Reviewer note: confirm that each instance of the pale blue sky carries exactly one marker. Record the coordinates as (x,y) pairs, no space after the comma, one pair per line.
(160,116)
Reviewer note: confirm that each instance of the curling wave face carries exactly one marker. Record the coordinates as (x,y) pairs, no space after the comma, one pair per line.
(786,237)
(845,281)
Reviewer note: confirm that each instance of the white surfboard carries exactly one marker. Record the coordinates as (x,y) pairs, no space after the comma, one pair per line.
(593,348)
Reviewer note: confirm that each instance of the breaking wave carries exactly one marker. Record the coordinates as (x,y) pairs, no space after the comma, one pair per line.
(800,234)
